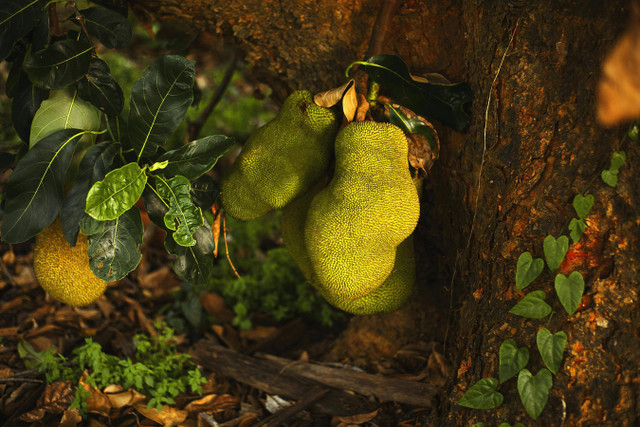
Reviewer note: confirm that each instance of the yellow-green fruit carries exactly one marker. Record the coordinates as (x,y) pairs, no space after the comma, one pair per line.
(282,159)
(355,223)
(292,221)
(64,272)
(389,296)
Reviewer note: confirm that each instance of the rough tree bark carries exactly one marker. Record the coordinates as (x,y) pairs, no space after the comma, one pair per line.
(498,188)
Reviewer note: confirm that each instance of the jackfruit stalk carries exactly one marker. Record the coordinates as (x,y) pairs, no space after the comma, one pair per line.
(282,159)
(355,224)
(63,271)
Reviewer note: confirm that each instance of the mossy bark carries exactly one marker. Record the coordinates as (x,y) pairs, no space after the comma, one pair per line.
(498,188)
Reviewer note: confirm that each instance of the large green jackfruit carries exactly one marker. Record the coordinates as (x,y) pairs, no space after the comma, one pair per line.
(282,159)
(389,296)
(355,224)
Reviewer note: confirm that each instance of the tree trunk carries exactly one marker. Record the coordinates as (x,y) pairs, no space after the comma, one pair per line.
(498,188)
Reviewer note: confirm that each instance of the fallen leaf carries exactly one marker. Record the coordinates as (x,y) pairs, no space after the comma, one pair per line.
(70,418)
(213,403)
(215,306)
(97,402)
(168,417)
(259,333)
(120,399)
(359,418)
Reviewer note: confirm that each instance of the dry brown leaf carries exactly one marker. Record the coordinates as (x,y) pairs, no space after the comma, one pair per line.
(70,418)
(215,306)
(55,399)
(167,417)
(33,416)
(358,418)
(619,85)
(216,227)
(259,333)
(97,401)
(331,97)
(8,258)
(363,108)
(119,399)
(213,403)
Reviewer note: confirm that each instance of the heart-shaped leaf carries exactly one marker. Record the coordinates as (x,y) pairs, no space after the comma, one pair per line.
(17,18)
(116,193)
(532,306)
(512,359)
(442,102)
(610,177)
(583,204)
(193,264)
(534,391)
(633,132)
(113,252)
(159,101)
(183,216)
(576,229)
(110,27)
(60,64)
(527,270)
(34,189)
(99,88)
(551,347)
(555,250)
(570,290)
(482,395)
(197,157)
(617,160)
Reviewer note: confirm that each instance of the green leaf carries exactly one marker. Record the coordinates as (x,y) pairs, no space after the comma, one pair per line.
(205,191)
(617,160)
(527,270)
(154,206)
(570,290)
(534,391)
(532,306)
(183,216)
(110,27)
(555,250)
(113,252)
(94,166)
(34,189)
(100,88)
(414,125)
(633,132)
(512,359)
(60,64)
(17,18)
(610,177)
(26,101)
(509,425)
(197,157)
(480,424)
(482,395)
(89,226)
(576,228)
(159,101)
(551,347)
(193,264)
(442,102)
(583,204)
(116,193)
(63,110)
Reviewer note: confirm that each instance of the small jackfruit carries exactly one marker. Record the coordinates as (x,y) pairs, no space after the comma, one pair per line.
(63,271)
(355,224)
(389,296)
(282,159)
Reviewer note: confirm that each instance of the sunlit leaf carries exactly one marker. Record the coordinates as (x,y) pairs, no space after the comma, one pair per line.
(113,253)
(570,290)
(576,229)
(60,64)
(532,306)
(159,101)
(197,157)
(116,193)
(527,270)
(183,217)
(482,395)
(555,250)
(551,347)
(583,204)
(34,189)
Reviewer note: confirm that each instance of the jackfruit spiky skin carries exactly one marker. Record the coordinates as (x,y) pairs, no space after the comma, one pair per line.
(355,224)
(282,159)
(388,297)
(64,272)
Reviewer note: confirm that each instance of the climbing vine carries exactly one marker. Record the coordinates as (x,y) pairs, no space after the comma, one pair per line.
(534,389)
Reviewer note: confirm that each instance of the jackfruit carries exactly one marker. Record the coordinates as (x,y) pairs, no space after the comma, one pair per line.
(389,296)
(63,271)
(355,224)
(282,159)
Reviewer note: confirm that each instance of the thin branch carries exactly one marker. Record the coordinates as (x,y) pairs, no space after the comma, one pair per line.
(381,26)
(195,127)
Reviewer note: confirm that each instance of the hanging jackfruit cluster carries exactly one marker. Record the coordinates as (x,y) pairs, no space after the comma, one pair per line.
(350,234)
(64,271)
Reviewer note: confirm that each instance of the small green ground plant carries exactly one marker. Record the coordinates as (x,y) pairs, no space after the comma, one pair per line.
(158,370)
(534,389)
